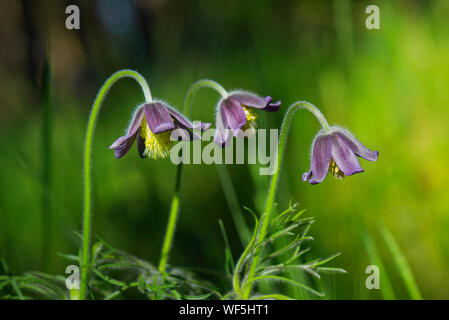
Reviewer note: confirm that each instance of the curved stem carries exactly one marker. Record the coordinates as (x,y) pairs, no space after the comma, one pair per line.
(285,127)
(198,85)
(171,222)
(87,163)
(171,226)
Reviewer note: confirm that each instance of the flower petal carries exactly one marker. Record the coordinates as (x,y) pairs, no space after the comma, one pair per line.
(321,158)
(187,134)
(344,157)
(306,176)
(186,122)
(158,117)
(122,144)
(221,137)
(272,106)
(357,147)
(254,101)
(232,114)
(140,146)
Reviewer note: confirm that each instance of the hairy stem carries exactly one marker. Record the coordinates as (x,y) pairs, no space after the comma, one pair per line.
(87,163)
(285,127)
(198,85)
(166,246)
(168,240)
(169,234)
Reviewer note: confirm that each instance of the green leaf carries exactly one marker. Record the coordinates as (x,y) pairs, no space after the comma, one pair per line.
(298,215)
(12,279)
(272,296)
(320,262)
(288,247)
(70,257)
(286,280)
(229,261)
(401,262)
(109,279)
(198,297)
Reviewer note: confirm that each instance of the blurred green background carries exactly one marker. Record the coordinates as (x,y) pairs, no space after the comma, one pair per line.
(389,87)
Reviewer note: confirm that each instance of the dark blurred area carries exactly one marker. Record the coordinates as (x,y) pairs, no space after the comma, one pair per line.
(388,86)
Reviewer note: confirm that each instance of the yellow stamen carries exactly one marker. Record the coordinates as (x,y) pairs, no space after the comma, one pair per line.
(157,146)
(336,170)
(251,118)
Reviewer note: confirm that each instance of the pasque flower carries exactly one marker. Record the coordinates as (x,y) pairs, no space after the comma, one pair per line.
(152,124)
(234,113)
(335,151)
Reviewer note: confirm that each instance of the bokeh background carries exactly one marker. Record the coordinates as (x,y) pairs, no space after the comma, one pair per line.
(389,87)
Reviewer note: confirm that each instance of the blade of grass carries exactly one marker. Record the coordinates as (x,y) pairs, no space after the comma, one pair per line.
(229,262)
(401,263)
(46,214)
(233,202)
(12,279)
(375,259)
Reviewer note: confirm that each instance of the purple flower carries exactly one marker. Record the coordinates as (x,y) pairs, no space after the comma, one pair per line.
(235,115)
(335,152)
(152,124)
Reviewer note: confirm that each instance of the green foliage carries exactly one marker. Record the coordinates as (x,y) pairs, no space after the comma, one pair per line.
(389,86)
(288,225)
(401,263)
(115,274)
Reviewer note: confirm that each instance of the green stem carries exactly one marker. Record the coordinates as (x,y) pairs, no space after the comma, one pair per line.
(198,85)
(171,222)
(166,246)
(87,163)
(275,178)
(46,214)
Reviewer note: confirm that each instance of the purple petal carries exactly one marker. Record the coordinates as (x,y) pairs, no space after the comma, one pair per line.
(321,158)
(232,114)
(187,134)
(344,157)
(357,147)
(221,137)
(203,126)
(306,176)
(158,117)
(186,122)
(248,99)
(140,146)
(272,107)
(254,101)
(122,144)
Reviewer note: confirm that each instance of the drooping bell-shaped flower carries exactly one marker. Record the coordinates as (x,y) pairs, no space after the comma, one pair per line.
(152,124)
(234,114)
(335,151)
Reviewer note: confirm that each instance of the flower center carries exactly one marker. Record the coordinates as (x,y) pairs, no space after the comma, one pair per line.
(335,170)
(251,118)
(157,146)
